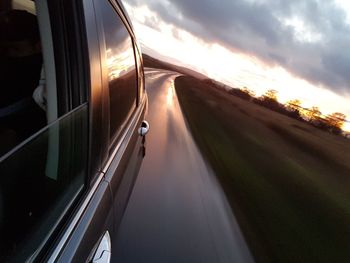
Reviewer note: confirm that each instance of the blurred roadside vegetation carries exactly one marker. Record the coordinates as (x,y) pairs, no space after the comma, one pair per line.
(332,123)
(286,178)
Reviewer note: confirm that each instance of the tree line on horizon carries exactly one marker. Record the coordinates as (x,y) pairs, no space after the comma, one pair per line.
(331,122)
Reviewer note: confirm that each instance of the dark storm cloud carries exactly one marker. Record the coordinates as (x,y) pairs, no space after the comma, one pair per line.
(258,28)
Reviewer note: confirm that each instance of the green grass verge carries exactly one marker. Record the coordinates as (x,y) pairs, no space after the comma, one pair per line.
(288,183)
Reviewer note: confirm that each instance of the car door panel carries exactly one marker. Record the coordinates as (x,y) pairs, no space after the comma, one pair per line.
(94,222)
(121,161)
(125,164)
(75,163)
(126,146)
(98,142)
(94,216)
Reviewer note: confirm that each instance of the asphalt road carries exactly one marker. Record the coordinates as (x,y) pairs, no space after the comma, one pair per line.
(177,211)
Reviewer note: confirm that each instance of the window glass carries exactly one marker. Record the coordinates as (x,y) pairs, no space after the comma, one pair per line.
(120,62)
(38,183)
(21,64)
(42,159)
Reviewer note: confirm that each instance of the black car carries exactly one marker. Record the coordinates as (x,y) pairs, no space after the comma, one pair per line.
(72,133)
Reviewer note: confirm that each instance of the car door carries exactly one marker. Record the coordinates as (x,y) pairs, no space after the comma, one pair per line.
(55,204)
(124,101)
(67,169)
(90,230)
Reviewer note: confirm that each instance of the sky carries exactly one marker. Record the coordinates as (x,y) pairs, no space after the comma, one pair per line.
(299,47)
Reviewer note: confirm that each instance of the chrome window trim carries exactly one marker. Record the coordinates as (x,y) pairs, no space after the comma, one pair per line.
(115,4)
(75,220)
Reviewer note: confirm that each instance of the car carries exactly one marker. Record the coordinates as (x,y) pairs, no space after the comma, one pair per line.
(72,128)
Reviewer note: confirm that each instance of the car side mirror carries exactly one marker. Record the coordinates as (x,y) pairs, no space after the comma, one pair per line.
(143,130)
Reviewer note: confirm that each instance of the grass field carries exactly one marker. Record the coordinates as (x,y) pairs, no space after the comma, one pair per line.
(287,182)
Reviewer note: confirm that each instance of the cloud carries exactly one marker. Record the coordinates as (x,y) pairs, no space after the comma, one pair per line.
(309,38)
(152,22)
(176,33)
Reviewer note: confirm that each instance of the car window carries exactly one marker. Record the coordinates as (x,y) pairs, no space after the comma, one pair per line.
(43,154)
(20,74)
(120,62)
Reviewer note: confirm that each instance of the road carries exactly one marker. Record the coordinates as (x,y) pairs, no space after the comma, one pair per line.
(177,211)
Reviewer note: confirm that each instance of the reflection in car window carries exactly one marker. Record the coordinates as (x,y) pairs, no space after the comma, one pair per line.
(20,68)
(121,68)
(141,76)
(42,169)
(37,184)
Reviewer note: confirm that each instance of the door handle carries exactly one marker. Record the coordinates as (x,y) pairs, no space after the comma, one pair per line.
(143,130)
(103,252)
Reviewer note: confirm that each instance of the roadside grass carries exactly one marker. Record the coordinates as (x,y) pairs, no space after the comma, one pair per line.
(287,182)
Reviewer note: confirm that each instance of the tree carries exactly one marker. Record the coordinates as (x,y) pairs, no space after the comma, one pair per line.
(248,91)
(271,94)
(336,119)
(293,105)
(313,114)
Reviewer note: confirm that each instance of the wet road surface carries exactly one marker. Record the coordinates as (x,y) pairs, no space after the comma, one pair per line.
(177,211)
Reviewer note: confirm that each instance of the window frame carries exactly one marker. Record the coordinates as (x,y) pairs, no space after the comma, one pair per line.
(140,73)
(70,52)
(113,142)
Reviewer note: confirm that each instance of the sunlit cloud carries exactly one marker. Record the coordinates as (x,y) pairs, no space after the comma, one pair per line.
(301,31)
(345,6)
(235,68)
